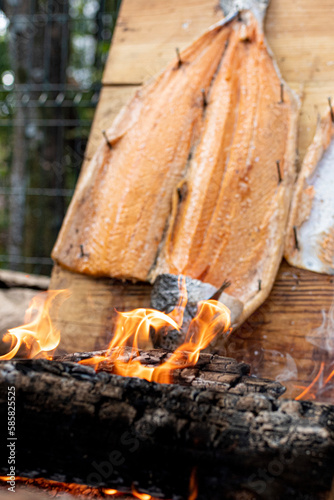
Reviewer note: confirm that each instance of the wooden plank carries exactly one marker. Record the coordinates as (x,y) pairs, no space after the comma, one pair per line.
(13,279)
(283,337)
(298,32)
(145,40)
(147,33)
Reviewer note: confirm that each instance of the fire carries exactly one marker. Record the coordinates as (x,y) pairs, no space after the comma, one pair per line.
(134,328)
(308,389)
(329,378)
(141,496)
(109,491)
(193,485)
(38,334)
(321,387)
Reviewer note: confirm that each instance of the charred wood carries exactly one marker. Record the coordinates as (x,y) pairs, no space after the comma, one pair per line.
(76,425)
(211,371)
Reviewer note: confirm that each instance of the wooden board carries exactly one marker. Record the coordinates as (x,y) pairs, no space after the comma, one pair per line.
(147,33)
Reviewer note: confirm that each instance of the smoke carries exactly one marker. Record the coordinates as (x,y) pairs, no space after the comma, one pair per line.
(323,336)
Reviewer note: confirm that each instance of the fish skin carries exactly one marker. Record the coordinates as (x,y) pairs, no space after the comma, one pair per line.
(122,201)
(221,214)
(312,211)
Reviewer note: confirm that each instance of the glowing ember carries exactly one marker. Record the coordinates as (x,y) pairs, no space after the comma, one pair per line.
(142,496)
(38,335)
(134,328)
(109,491)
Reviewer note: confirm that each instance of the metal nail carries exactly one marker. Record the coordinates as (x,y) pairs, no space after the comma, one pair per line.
(296,237)
(331,108)
(179,64)
(106,138)
(205,101)
(279,171)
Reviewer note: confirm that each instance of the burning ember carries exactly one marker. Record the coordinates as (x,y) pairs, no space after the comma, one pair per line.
(72,489)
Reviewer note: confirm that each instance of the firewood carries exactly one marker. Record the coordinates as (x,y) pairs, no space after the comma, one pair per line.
(76,425)
(14,279)
(211,371)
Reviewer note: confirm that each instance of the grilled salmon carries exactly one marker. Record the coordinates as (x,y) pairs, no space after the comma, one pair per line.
(310,235)
(122,202)
(230,224)
(197,174)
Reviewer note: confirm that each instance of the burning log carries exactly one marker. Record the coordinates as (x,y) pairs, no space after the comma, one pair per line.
(76,425)
(218,372)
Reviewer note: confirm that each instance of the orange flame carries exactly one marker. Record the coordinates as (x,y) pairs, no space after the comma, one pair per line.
(134,328)
(142,496)
(329,378)
(38,333)
(312,384)
(193,485)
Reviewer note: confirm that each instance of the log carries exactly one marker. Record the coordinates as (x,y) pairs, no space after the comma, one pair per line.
(211,371)
(43,489)
(14,279)
(103,430)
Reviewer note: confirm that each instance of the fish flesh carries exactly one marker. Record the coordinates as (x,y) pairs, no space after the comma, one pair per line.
(198,174)
(310,234)
(119,212)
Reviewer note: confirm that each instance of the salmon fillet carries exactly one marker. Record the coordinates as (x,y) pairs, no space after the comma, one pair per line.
(230,224)
(310,235)
(191,184)
(122,201)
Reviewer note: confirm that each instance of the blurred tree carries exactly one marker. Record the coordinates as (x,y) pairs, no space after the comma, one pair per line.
(18,45)
(38,47)
(54,52)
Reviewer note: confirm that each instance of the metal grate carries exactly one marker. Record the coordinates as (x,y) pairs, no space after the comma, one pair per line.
(52,54)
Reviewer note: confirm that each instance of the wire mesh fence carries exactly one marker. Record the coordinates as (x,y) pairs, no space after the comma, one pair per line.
(52,54)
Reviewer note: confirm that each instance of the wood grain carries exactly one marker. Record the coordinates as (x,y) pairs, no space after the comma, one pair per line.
(274,339)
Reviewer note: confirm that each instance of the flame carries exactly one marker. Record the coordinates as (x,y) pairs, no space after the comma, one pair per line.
(323,338)
(38,333)
(142,496)
(193,485)
(109,491)
(329,378)
(134,328)
(312,384)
